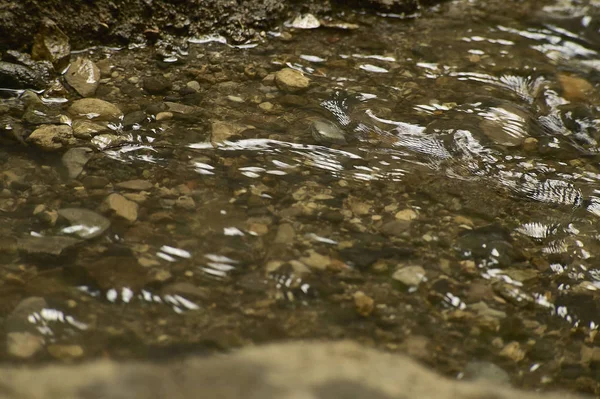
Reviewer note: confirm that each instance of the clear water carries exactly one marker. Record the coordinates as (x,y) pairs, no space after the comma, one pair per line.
(464,141)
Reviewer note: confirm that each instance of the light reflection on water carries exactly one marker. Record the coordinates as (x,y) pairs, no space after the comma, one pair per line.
(491,106)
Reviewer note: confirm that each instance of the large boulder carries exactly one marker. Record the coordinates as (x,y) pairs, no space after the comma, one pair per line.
(295,370)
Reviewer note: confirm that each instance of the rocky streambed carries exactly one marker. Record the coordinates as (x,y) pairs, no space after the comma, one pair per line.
(424,184)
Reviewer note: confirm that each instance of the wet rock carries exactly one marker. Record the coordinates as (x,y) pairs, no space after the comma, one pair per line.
(14,76)
(590,355)
(181,109)
(185,202)
(156,84)
(23,344)
(418,347)
(305,21)
(44,215)
(18,319)
(85,224)
(513,351)
(91,182)
(483,310)
(266,106)
(134,118)
(486,372)
(410,276)
(40,114)
(93,108)
(315,260)
(364,304)
(406,215)
(75,159)
(327,132)
(46,246)
(51,137)
(530,144)
(43,69)
(135,185)
(105,66)
(223,131)
(65,352)
(83,76)
(51,44)
(193,85)
(164,116)
(285,234)
(395,228)
(291,81)
(575,88)
(291,370)
(121,207)
(84,129)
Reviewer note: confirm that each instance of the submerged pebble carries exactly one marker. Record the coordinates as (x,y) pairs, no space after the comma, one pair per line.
(291,81)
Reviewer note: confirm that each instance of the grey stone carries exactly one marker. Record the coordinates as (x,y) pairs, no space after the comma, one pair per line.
(395,227)
(293,370)
(46,246)
(327,132)
(14,76)
(83,76)
(135,117)
(85,129)
(85,224)
(75,159)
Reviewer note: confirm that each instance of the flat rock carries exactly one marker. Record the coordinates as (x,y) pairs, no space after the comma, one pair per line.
(75,159)
(135,185)
(85,129)
(121,207)
(46,246)
(292,370)
(83,76)
(51,137)
(223,131)
(291,81)
(93,108)
(411,276)
(85,224)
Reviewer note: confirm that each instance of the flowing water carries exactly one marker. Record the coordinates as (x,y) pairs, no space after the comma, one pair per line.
(435,191)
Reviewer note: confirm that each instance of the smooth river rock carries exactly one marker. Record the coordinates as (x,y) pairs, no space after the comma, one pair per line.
(291,81)
(51,137)
(85,224)
(281,371)
(93,108)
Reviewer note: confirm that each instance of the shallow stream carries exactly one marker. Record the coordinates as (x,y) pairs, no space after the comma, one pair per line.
(432,188)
